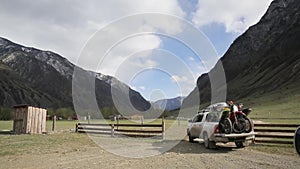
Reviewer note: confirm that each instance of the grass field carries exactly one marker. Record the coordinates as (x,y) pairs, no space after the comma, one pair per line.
(279,104)
(61,125)
(65,140)
(44,143)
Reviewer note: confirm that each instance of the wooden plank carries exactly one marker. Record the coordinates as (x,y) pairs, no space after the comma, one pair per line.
(44,115)
(138,135)
(139,125)
(24,117)
(40,118)
(122,125)
(274,136)
(33,126)
(120,134)
(86,124)
(274,130)
(89,128)
(94,132)
(274,141)
(138,131)
(37,120)
(275,125)
(18,124)
(29,119)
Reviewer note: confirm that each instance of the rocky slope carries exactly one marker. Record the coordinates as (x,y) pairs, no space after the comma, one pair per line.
(43,78)
(265,59)
(168,104)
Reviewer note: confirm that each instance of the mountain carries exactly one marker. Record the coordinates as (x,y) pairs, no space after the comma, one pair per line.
(262,61)
(168,104)
(43,78)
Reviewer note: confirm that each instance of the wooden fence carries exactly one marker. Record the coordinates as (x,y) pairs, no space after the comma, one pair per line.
(264,132)
(274,133)
(131,130)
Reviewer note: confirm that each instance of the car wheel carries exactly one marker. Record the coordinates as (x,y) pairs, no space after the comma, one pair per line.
(191,139)
(207,143)
(206,140)
(239,144)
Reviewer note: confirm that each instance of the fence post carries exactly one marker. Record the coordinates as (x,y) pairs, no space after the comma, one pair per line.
(297,140)
(112,130)
(54,123)
(163,128)
(76,128)
(117,122)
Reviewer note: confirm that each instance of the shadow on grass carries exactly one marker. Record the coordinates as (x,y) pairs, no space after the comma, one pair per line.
(6,132)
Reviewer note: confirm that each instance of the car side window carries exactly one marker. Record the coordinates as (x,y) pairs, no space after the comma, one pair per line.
(198,118)
(212,117)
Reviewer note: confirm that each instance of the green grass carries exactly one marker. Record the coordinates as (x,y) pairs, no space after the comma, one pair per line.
(59,142)
(6,125)
(283,103)
(43,144)
(60,125)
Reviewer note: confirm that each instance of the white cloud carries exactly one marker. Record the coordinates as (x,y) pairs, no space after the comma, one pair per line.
(142,87)
(124,54)
(176,78)
(235,15)
(191,58)
(64,26)
(185,83)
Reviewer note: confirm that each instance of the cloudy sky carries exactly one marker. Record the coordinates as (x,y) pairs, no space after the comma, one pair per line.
(159,66)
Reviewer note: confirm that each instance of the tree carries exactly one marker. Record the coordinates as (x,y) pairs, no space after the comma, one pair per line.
(6,113)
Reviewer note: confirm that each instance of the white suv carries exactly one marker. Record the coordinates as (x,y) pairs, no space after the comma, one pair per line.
(205,125)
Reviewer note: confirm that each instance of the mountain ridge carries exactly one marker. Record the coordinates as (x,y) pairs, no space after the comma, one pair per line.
(168,104)
(263,59)
(49,78)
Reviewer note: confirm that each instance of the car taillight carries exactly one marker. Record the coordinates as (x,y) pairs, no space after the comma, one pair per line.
(217,130)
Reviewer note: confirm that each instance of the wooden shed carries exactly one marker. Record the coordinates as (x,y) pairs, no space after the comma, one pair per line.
(29,120)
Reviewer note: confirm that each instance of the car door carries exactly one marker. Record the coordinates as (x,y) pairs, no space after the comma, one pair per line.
(210,121)
(197,125)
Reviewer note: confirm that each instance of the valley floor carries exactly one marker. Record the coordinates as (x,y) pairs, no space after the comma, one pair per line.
(72,150)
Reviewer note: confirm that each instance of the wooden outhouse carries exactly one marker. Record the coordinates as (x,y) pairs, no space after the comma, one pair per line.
(29,120)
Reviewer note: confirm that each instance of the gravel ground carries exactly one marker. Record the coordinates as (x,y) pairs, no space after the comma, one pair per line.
(183,155)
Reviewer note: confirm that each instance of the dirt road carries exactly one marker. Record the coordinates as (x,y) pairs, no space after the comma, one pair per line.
(184,155)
